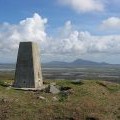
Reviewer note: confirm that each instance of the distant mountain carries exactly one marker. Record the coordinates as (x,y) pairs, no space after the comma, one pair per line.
(78,62)
(87,62)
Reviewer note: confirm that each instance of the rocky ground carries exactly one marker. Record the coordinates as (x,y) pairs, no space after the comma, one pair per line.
(79,100)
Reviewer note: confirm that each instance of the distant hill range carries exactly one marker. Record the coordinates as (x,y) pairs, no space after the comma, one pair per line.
(78,62)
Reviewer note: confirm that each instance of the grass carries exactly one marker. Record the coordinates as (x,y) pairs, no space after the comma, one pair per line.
(86,100)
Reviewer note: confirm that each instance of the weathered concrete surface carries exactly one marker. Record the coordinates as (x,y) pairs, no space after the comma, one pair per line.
(28,70)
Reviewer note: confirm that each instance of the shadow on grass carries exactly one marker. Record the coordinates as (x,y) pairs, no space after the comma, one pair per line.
(66,118)
(111,88)
(91,118)
(77,83)
(64,88)
(102,84)
(63,97)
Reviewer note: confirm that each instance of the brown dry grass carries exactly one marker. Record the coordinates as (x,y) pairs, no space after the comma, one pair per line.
(91,99)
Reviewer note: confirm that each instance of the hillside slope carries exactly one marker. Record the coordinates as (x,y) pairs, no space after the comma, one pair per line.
(85,100)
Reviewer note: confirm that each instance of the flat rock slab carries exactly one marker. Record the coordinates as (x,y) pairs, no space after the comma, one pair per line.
(31,89)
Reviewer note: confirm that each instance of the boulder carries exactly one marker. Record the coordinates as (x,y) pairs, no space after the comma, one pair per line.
(53,89)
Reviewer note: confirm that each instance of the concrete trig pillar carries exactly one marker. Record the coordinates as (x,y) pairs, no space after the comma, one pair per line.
(28,68)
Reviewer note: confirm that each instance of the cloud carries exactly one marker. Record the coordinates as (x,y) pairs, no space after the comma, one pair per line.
(111,23)
(74,42)
(69,41)
(84,5)
(30,29)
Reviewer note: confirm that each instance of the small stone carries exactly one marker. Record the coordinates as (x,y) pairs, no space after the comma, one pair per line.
(54,89)
(55,98)
(8,88)
(41,97)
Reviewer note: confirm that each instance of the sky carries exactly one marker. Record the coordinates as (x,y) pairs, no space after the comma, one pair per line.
(65,30)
